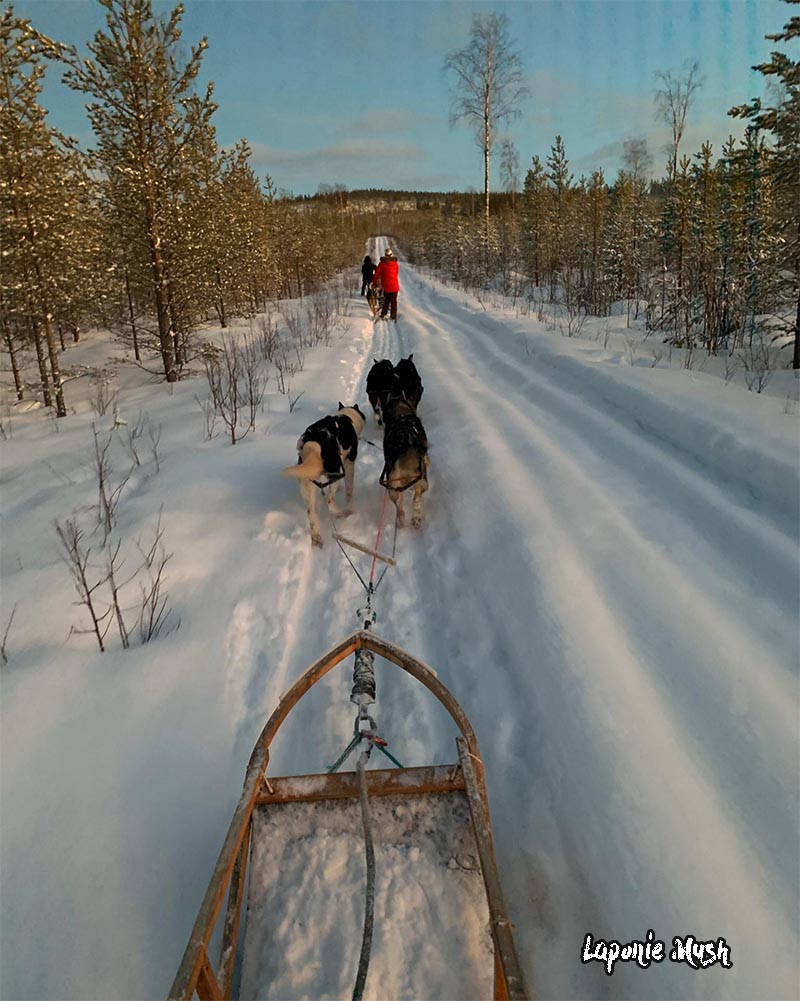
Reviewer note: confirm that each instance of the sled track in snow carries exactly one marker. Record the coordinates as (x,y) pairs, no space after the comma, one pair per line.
(578,639)
(589,636)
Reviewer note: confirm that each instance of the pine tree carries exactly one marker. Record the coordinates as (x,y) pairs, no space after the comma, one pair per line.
(139,92)
(705,244)
(36,203)
(783,121)
(560,202)
(534,220)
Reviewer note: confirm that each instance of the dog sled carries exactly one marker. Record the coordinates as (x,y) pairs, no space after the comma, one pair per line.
(433,923)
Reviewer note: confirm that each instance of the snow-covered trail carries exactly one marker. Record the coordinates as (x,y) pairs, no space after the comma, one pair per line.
(606,579)
(620,628)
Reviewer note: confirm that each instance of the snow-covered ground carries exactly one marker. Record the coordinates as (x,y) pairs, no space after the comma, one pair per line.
(606,578)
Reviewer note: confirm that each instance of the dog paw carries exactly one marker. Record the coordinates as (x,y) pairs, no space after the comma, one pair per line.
(416,522)
(316,540)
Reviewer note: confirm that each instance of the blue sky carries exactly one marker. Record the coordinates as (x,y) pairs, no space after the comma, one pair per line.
(355,93)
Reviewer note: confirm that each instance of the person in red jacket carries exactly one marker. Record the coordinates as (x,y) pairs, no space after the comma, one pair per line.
(387,274)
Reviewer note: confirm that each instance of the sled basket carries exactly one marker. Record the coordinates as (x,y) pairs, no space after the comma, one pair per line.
(434,851)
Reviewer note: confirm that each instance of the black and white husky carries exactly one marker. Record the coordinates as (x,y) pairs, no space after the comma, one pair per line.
(326,453)
(405,455)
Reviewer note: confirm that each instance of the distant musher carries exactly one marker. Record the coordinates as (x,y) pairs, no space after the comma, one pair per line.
(387,275)
(367,271)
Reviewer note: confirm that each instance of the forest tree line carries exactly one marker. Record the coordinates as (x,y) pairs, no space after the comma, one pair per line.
(157,228)
(710,251)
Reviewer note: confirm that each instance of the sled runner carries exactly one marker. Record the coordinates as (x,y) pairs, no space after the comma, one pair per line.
(294,858)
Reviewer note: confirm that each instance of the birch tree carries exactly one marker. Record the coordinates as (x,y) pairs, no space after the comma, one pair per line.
(489,86)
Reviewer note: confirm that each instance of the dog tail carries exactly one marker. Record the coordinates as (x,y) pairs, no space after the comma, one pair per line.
(310,467)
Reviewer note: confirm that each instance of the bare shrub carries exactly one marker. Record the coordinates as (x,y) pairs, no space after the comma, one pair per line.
(77,559)
(689,354)
(154,434)
(254,379)
(133,432)
(236,382)
(285,368)
(154,614)
(113,567)
(108,495)
(210,414)
(572,325)
(100,589)
(104,393)
(321,317)
(340,295)
(756,362)
(294,324)
(267,332)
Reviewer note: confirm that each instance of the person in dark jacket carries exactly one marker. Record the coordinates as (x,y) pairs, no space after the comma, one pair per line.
(367,271)
(387,274)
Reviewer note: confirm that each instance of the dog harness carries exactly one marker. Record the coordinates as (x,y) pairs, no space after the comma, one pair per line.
(333,435)
(404,432)
(384,480)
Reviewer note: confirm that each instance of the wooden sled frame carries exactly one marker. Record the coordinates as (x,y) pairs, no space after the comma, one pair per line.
(196,973)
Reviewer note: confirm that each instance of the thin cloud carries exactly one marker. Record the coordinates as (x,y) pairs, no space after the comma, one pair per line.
(349,153)
(385,122)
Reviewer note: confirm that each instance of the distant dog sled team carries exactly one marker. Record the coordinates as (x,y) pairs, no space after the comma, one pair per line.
(328,448)
(381,284)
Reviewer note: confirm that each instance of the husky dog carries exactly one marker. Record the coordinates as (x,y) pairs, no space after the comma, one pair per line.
(410,382)
(375,299)
(326,453)
(405,453)
(380,382)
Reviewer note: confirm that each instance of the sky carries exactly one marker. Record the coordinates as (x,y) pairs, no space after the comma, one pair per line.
(345,92)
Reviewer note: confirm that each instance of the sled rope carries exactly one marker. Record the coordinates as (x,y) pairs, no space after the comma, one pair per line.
(346,556)
(369,850)
(368,588)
